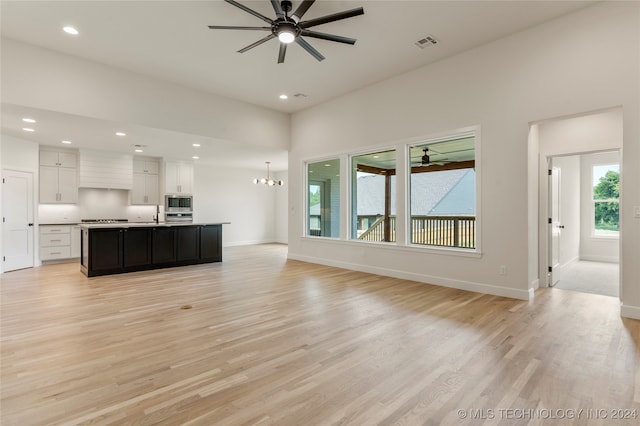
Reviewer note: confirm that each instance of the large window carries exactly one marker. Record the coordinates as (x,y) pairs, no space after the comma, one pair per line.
(606,200)
(323,198)
(373,196)
(443,193)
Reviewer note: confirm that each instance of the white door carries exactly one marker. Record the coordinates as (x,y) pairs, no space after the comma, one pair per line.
(555,226)
(17,217)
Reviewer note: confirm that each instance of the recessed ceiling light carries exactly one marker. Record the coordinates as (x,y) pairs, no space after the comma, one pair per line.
(28,120)
(195,157)
(138,150)
(283,96)
(28,129)
(195,144)
(70,30)
(121,134)
(66,142)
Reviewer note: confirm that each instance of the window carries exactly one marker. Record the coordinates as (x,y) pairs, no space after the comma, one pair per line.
(443,193)
(373,196)
(606,200)
(323,198)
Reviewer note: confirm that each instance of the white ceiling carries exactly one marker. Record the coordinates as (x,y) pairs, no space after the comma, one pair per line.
(170,40)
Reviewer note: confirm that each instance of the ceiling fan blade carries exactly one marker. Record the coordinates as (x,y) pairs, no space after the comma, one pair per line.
(257,43)
(282,52)
(225,27)
(251,11)
(306,46)
(330,37)
(330,18)
(302,9)
(277,8)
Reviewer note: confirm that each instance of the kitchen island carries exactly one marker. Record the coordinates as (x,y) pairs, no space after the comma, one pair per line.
(127,247)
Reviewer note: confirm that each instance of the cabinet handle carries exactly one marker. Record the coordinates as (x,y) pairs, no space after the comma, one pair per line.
(55,241)
(56,252)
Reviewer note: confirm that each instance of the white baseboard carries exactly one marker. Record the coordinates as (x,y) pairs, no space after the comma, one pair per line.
(630,311)
(534,285)
(428,279)
(607,259)
(246,243)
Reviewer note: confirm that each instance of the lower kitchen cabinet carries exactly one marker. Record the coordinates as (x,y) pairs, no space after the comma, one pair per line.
(135,248)
(188,240)
(211,243)
(163,245)
(105,250)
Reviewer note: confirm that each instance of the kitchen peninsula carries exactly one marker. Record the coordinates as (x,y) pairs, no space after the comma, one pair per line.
(116,248)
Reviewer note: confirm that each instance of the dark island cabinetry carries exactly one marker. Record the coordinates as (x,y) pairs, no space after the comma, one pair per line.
(114,250)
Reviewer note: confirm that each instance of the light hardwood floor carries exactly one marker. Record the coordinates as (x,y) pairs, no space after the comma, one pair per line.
(271,341)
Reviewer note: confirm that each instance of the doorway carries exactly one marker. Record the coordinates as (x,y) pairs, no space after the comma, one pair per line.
(17,217)
(583,226)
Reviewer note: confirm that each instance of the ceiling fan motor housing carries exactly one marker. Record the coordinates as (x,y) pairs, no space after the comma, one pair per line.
(286,6)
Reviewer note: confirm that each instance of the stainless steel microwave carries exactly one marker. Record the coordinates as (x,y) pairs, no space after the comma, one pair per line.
(178,203)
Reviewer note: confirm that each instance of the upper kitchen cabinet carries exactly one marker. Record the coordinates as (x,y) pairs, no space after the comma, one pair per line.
(58,177)
(146,165)
(178,178)
(145,181)
(106,170)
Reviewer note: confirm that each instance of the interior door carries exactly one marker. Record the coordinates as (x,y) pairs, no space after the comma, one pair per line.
(555,226)
(17,217)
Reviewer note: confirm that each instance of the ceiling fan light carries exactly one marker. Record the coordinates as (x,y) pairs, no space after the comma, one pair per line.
(286,36)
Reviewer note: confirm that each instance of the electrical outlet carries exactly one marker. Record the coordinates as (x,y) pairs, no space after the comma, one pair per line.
(636,212)
(503,270)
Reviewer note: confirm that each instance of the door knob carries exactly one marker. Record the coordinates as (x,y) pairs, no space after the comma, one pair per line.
(31,224)
(561,226)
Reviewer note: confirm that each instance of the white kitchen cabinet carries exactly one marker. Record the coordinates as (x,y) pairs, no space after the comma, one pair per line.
(146,184)
(58,159)
(58,177)
(55,242)
(145,189)
(178,178)
(147,166)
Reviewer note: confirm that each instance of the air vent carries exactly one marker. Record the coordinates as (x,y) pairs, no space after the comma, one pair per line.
(140,146)
(426,42)
(300,95)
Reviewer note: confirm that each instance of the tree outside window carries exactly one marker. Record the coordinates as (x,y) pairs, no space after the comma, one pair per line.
(606,199)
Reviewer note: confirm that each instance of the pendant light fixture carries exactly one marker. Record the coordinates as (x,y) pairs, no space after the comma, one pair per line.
(268,180)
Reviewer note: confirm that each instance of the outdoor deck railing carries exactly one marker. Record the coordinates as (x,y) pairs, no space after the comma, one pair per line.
(443,231)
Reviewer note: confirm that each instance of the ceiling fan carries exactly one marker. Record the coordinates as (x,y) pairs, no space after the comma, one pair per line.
(426,160)
(290,28)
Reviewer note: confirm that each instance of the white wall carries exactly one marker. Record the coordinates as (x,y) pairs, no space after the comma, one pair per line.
(229,195)
(21,155)
(599,249)
(585,61)
(45,79)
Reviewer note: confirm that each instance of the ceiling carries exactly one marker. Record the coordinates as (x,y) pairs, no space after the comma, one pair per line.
(170,40)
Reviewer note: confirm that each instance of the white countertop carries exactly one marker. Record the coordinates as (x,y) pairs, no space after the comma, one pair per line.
(146,224)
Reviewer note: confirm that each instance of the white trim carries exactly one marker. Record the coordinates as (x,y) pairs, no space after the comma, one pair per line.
(606,259)
(533,286)
(628,311)
(249,243)
(427,279)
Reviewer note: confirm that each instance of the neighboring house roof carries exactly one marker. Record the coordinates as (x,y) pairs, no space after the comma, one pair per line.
(460,200)
(314,210)
(449,192)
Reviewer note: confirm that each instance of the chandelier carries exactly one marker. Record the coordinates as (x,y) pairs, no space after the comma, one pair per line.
(268,180)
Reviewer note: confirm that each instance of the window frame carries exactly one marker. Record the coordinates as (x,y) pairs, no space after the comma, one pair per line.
(305,189)
(472,131)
